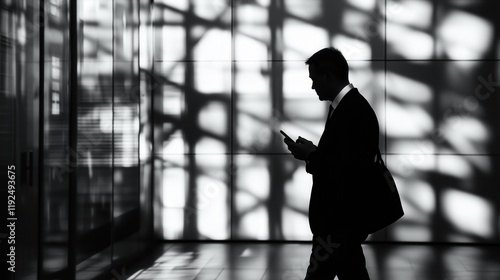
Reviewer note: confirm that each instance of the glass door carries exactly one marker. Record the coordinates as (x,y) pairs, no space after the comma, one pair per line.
(75,107)
(20,91)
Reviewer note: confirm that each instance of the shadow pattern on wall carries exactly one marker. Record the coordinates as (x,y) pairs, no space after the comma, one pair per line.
(229,76)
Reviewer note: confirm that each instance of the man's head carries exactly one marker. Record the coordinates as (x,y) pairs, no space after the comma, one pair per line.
(329,72)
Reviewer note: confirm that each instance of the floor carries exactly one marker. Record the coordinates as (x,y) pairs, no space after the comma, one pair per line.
(288,261)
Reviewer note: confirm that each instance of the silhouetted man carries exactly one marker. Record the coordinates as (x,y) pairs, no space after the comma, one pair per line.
(346,149)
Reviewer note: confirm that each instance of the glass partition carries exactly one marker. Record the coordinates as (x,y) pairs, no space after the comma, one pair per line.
(232,75)
(58,157)
(112,201)
(20,91)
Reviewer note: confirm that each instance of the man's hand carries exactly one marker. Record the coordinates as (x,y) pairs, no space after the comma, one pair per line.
(301,148)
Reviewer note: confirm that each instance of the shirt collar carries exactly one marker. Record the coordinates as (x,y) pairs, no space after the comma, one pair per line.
(342,93)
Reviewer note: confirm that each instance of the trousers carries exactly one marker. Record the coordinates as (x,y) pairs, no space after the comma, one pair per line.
(337,254)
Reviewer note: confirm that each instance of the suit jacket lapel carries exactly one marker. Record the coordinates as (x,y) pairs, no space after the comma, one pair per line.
(340,105)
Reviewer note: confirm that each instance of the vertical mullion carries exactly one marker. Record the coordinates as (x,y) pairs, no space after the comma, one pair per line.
(385,93)
(139,182)
(385,81)
(112,203)
(232,104)
(41,144)
(277,107)
(73,141)
(151,116)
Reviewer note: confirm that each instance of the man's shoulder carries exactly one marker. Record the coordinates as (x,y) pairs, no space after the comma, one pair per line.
(356,96)
(357,108)
(355,99)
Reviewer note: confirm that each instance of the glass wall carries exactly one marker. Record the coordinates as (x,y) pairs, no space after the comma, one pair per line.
(232,75)
(192,120)
(88,213)
(58,159)
(19,136)
(108,173)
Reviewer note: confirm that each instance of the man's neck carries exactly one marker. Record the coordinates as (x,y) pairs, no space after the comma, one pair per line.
(338,90)
(336,101)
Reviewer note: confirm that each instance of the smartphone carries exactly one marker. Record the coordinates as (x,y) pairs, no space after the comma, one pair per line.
(286,136)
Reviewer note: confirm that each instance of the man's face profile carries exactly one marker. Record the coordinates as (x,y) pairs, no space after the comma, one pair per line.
(319,82)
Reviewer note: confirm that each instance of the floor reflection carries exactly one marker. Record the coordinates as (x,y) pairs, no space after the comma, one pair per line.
(288,261)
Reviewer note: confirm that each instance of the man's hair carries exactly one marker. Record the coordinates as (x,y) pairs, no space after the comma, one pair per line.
(330,60)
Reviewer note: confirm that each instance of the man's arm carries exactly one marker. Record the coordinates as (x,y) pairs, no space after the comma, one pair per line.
(355,143)
(301,149)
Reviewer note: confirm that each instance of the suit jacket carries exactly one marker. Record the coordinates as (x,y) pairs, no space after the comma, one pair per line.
(340,165)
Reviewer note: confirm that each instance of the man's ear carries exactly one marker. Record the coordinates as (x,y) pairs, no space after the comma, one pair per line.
(331,77)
